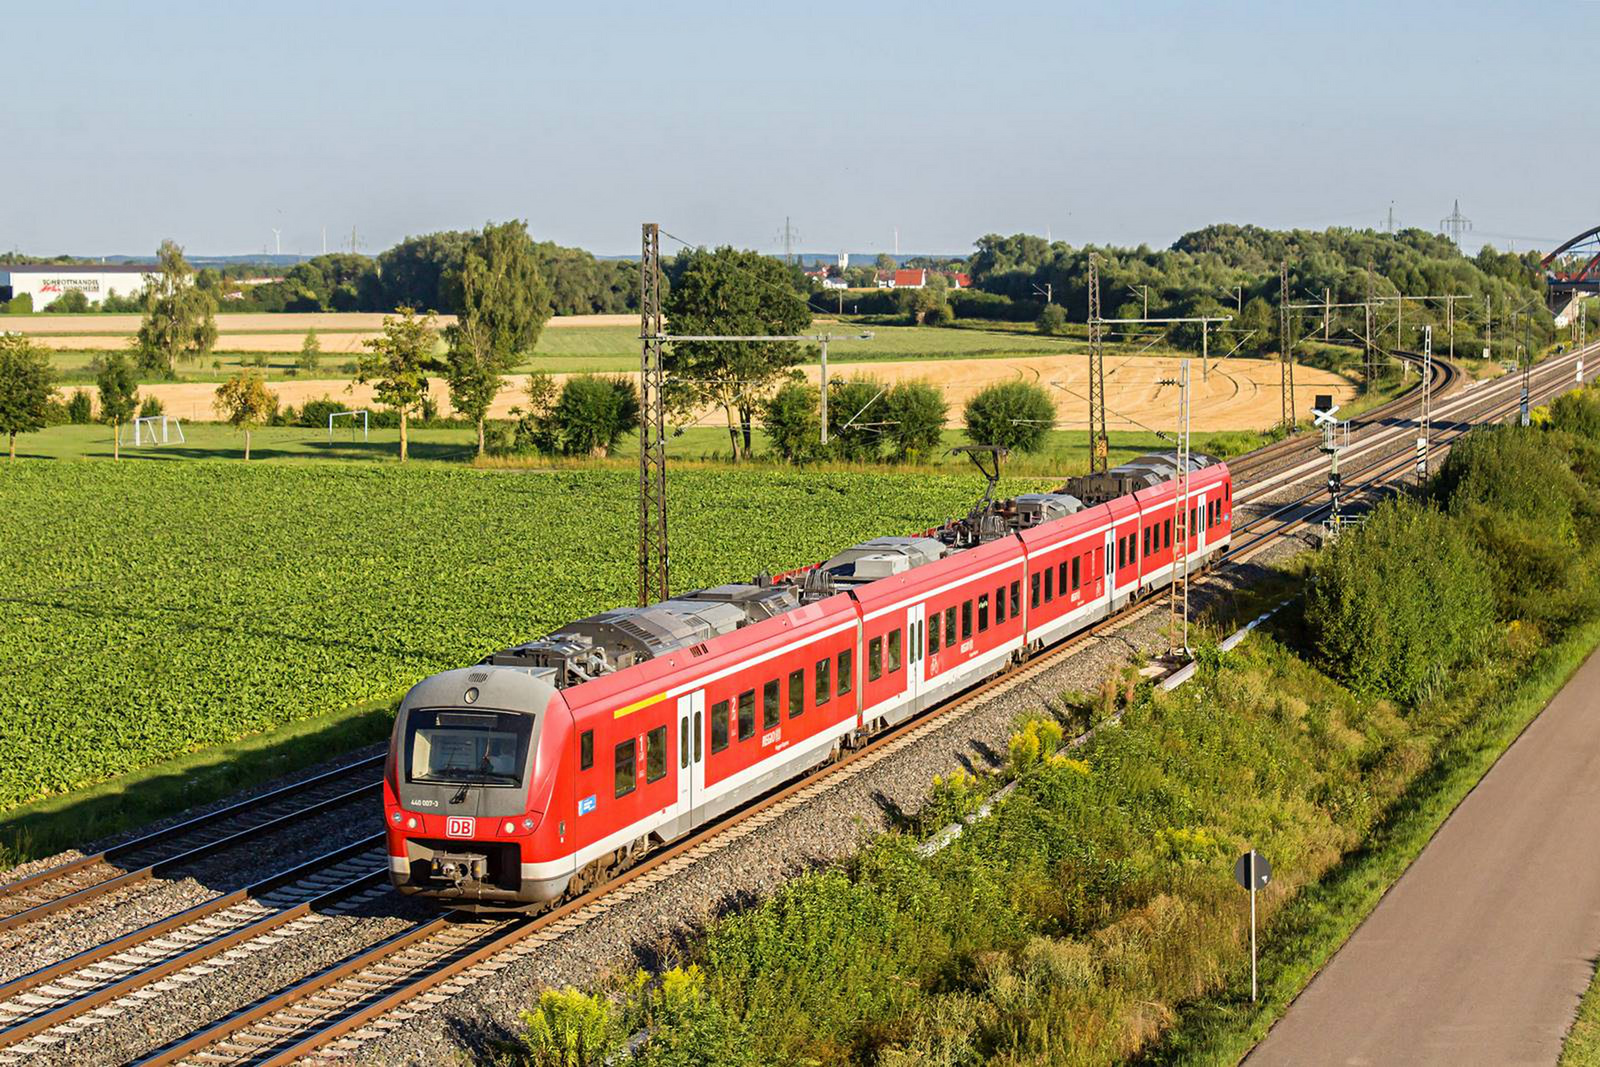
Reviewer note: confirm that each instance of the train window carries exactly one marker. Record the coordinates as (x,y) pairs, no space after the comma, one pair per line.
(844,672)
(1168,537)
(874,659)
(586,750)
(1061,577)
(699,749)
(626,774)
(1016,598)
(1034,596)
(797,692)
(933,635)
(683,743)
(719,726)
(1000,605)
(1049,584)
(1144,543)
(1122,553)
(769,705)
(1076,560)
(747,714)
(894,651)
(1191,527)
(824,689)
(983,613)
(1099,561)
(655,754)
(950,627)
(966,620)
(1227,491)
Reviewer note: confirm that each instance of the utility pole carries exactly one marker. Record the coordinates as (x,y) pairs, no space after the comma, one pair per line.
(1327,311)
(1099,443)
(1048,292)
(1285,374)
(1488,328)
(653,562)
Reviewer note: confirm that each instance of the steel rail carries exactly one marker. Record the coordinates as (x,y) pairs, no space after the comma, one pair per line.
(168,834)
(76,1001)
(142,874)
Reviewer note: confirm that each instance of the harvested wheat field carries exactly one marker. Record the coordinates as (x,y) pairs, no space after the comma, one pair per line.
(1238,394)
(338,332)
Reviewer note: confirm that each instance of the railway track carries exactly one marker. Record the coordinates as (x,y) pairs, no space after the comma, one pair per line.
(89,878)
(333,1011)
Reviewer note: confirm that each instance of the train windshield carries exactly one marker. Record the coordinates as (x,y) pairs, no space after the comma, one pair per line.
(467,747)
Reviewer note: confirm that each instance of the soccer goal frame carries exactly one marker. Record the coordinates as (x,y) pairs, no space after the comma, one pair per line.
(352,416)
(155,430)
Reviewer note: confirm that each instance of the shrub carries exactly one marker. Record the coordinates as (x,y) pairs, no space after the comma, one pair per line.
(316,412)
(915,413)
(855,409)
(150,406)
(80,409)
(1015,415)
(594,412)
(570,1029)
(21,304)
(1052,320)
(1400,601)
(71,302)
(792,419)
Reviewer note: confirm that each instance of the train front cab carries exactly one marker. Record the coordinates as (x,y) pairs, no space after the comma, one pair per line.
(470,788)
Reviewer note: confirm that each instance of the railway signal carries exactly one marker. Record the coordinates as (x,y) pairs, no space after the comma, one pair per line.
(1252,871)
(1323,417)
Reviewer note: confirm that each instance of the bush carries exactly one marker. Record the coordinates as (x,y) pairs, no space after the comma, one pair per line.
(1052,320)
(80,409)
(1398,602)
(855,406)
(570,1029)
(21,304)
(915,413)
(150,406)
(792,419)
(594,413)
(316,412)
(71,302)
(1014,415)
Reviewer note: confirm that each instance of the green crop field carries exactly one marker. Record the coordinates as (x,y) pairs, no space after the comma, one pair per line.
(152,609)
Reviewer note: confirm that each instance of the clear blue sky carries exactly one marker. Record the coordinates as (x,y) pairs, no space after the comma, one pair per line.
(1104,122)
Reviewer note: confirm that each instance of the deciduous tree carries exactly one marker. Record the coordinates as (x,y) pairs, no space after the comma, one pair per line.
(27,384)
(118,382)
(915,415)
(179,316)
(398,362)
(310,353)
(245,401)
(737,293)
(502,305)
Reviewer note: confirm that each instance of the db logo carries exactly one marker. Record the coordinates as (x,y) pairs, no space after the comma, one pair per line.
(458,826)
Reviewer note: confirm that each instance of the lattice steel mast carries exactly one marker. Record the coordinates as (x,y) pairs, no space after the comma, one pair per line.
(653,568)
(1099,443)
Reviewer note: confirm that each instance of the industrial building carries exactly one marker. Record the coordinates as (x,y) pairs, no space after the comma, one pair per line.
(47,281)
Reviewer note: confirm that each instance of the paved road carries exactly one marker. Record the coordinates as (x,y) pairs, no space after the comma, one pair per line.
(1481,951)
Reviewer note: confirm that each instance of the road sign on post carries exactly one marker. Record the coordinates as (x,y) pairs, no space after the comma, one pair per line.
(1253,872)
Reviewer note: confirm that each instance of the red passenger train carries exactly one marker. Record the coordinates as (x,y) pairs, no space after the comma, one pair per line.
(550,765)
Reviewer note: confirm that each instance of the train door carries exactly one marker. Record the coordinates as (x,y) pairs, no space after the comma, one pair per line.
(1201,532)
(916,651)
(691,750)
(1111,565)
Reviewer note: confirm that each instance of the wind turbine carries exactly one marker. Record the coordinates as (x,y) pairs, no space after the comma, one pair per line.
(277,241)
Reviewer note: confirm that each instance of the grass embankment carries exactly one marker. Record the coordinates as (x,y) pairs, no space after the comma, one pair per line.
(1582,1048)
(154,610)
(1092,918)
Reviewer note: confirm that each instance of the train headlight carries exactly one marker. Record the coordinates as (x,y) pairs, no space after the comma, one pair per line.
(411,823)
(510,827)
(527,824)
(394,817)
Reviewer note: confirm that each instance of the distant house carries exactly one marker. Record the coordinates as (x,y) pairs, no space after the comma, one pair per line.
(819,274)
(835,283)
(960,281)
(902,279)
